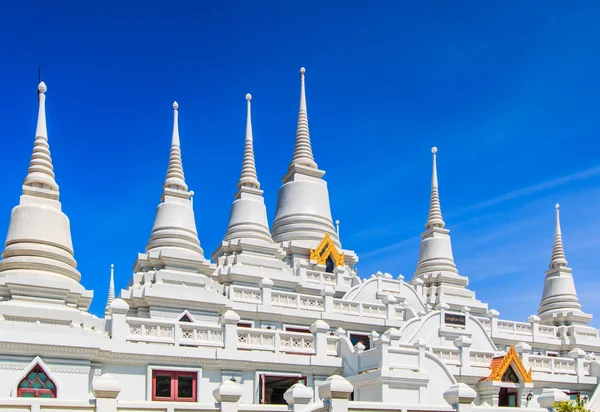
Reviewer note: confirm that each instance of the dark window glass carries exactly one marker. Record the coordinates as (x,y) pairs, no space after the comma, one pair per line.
(355,338)
(185,387)
(510,376)
(163,386)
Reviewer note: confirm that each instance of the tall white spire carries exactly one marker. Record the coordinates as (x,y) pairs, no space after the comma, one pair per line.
(174,231)
(435,211)
(175,177)
(248,218)
(302,150)
(40,177)
(249,178)
(436,267)
(560,303)
(558,252)
(303,212)
(111,290)
(38,260)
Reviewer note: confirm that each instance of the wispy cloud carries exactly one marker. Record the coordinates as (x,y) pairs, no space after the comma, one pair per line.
(585,174)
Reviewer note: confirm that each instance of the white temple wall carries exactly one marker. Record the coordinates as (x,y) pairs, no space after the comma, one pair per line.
(132,378)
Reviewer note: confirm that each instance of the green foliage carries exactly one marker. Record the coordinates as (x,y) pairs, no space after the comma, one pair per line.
(570,406)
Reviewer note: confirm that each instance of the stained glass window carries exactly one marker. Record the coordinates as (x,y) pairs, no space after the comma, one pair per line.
(37,384)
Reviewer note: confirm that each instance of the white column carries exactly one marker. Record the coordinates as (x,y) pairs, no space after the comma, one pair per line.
(229,320)
(535,325)
(327,294)
(463,343)
(266,286)
(335,392)
(119,329)
(106,389)
(228,395)
(578,355)
(319,330)
(391,303)
(298,396)
(493,315)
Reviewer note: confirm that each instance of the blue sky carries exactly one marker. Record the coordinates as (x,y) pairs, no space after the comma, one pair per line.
(508,92)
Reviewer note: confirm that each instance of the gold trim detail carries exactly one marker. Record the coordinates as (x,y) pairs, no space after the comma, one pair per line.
(511,357)
(326,249)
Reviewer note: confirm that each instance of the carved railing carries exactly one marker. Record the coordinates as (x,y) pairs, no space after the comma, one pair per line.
(449,356)
(555,365)
(361,309)
(275,341)
(245,294)
(173,333)
(296,300)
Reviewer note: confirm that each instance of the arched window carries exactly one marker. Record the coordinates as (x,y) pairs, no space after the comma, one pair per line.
(37,384)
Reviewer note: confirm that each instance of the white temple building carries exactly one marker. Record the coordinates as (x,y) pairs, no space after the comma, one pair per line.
(277,318)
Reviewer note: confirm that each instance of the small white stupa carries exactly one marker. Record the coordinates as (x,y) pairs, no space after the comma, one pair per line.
(248,218)
(436,267)
(38,262)
(303,212)
(560,304)
(174,236)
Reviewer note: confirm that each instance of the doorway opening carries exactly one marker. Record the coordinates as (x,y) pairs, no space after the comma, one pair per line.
(508,397)
(273,387)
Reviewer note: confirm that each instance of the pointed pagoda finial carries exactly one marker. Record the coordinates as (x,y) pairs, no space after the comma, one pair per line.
(303,151)
(41,172)
(111,290)
(249,177)
(558,252)
(175,177)
(435,211)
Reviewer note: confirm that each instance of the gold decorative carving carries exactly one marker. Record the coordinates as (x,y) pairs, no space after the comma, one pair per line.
(326,249)
(500,365)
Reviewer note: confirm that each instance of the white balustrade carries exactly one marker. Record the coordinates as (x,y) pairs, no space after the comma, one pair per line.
(296,300)
(245,294)
(481,358)
(447,355)
(555,365)
(322,278)
(362,309)
(277,341)
(173,333)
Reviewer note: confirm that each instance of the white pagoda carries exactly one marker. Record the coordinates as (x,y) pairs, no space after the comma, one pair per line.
(276,319)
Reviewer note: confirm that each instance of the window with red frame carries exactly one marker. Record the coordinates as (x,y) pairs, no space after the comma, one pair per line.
(37,384)
(174,386)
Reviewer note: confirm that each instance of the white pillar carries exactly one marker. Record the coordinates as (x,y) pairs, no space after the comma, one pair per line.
(463,343)
(266,287)
(106,389)
(534,320)
(230,320)
(119,329)
(327,294)
(578,355)
(460,396)
(335,392)
(319,330)
(298,396)
(391,303)
(228,395)
(493,315)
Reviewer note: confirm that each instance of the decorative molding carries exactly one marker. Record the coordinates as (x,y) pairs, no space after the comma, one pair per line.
(326,249)
(511,357)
